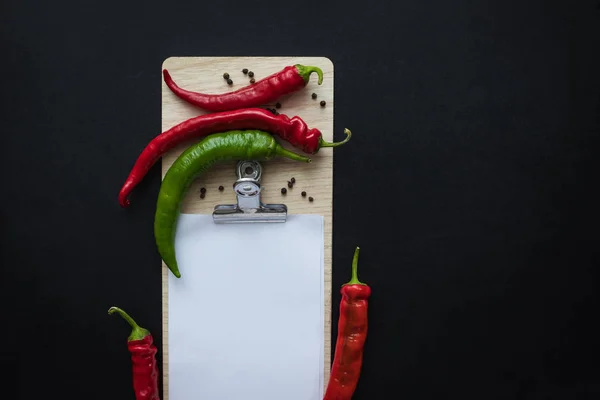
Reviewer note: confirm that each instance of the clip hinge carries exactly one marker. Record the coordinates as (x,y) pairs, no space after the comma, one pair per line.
(249,207)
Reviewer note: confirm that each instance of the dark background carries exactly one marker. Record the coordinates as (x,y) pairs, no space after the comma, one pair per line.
(476,125)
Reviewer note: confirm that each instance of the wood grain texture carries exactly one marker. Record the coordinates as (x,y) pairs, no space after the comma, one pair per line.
(205,74)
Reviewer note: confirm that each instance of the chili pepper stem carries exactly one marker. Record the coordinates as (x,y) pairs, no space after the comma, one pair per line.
(354,280)
(137,332)
(291,155)
(323,143)
(305,70)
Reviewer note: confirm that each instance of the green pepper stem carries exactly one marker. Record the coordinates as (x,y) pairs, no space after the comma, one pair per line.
(354,280)
(323,143)
(305,70)
(291,155)
(137,332)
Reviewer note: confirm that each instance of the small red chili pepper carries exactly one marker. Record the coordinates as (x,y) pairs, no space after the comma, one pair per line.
(294,130)
(143,357)
(266,90)
(352,333)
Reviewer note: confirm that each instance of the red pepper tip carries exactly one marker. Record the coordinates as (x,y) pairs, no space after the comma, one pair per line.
(168,79)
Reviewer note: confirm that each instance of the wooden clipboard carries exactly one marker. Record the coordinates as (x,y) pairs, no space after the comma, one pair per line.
(205,74)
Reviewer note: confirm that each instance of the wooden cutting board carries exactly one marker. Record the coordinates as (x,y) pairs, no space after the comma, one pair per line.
(205,74)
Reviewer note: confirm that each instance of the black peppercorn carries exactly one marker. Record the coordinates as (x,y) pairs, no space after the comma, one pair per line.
(303,194)
(310,199)
(283,190)
(277,105)
(245,71)
(252,80)
(225,75)
(202,190)
(293,180)
(202,195)
(314,96)
(221,188)
(250,74)
(322,103)
(229,82)
(290,184)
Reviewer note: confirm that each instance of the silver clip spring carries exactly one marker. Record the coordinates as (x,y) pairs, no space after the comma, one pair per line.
(249,207)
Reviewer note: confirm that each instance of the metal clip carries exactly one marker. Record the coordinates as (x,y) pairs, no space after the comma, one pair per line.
(249,208)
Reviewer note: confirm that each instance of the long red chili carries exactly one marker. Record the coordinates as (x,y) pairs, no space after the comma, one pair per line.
(266,90)
(352,333)
(294,130)
(143,357)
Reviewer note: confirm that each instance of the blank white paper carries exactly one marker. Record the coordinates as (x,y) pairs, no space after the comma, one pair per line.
(246,317)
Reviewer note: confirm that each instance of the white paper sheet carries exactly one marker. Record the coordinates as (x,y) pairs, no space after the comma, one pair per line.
(246,317)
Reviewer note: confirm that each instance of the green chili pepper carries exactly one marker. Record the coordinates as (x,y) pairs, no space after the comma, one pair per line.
(219,147)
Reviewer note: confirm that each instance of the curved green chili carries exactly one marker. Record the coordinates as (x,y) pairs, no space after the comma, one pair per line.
(219,147)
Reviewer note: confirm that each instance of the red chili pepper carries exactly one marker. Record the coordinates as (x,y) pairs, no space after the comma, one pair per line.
(266,90)
(352,333)
(143,356)
(293,130)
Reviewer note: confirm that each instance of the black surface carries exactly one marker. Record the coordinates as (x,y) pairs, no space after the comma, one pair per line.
(477,121)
